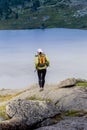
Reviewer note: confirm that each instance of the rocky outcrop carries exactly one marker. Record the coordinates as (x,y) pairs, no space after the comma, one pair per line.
(48,105)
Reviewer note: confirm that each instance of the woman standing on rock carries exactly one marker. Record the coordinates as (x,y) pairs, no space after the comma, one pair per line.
(41,64)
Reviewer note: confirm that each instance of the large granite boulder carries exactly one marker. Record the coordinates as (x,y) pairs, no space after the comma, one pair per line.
(27,114)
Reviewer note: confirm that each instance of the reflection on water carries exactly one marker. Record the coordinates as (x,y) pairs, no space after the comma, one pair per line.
(66,49)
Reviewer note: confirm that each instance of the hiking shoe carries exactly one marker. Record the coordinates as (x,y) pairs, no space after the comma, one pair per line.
(41,89)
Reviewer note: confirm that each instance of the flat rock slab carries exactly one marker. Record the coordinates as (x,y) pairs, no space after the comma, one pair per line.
(73,123)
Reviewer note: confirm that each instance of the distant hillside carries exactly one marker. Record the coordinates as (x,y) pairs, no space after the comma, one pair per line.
(32,14)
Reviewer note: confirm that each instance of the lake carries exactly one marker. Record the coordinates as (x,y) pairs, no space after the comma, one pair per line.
(66,49)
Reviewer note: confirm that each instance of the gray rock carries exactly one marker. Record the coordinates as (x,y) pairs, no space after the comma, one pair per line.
(70,82)
(33,111)
(26,114)
(73,123)
(67,82)
(74,100)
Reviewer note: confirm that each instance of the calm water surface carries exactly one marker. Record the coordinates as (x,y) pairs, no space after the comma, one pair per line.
(66,49)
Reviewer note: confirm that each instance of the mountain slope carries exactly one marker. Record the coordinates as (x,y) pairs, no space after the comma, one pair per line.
(31,14)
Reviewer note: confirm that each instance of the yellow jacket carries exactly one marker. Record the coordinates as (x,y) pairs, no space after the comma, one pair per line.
(36,63)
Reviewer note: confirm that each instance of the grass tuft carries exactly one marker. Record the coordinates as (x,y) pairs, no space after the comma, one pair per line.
(82,84)
(39,99)
(3,112)
(8,96)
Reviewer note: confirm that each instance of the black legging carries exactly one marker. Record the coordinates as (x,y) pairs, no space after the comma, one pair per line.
(41,77)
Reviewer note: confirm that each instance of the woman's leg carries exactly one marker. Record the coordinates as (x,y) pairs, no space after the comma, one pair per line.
(43,77)
(39,78)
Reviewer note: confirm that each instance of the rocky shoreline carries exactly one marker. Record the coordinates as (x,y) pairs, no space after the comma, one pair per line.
(59,107)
